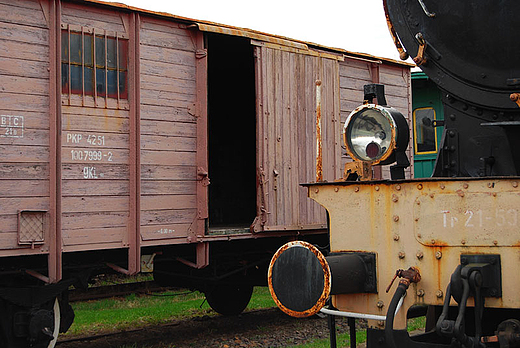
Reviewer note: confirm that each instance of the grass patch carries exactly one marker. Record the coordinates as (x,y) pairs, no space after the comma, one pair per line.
(116,314)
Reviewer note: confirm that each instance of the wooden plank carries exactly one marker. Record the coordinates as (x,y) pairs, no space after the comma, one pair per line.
(168,143)
(355,69)
(168,202)
(93,236)
(24,188)
(95,188)
(90,204)
(294,68)
(170,114)
(26,154)
(24,33)
(168,158)
(165,98)
(167,70)
(94,124)
(92,111)
(164,26)
(185,89)
(95,220)
(285,134)
(167,55)
(17,66)
(152,127)
(23,15)
(166,217)
(28,4)
(9,223)
(301,131)
(93,171)
(157,187)
(24,171)
(8,240)
(94,140)
(166,231)
(160,172)
(24,52)
(14,103)
(11,206)
(94,156)
(167,40)
(32,137)
(353,83)
(92,17)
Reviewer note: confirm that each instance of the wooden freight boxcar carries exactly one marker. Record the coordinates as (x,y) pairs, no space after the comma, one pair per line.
(134,140)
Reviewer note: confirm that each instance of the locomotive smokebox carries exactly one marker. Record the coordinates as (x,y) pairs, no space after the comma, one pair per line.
(301,279)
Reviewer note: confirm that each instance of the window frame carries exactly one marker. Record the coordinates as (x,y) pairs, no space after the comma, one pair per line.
(416,152)
(106,98)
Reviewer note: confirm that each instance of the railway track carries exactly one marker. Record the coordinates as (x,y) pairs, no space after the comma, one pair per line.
(116,290)
(257,328)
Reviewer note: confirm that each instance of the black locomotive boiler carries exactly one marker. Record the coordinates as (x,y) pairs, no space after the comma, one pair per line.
(451,242)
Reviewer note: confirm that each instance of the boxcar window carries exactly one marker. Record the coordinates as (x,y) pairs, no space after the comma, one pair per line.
(424,131)
(94,65)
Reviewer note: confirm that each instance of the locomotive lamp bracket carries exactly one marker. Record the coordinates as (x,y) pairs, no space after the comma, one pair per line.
(375,134)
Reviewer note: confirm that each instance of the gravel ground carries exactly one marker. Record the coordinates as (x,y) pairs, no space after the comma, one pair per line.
(261,328)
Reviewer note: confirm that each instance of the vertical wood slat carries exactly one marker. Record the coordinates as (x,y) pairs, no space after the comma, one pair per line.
(201,77)
(55,242)
(134,231)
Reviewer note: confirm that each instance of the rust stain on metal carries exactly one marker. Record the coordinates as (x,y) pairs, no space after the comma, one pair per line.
(516,98)
(402,53)
(420,59)
(327,280)
(319,150)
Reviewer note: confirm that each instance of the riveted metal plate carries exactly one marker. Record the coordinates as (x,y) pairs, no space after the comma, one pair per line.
(464,218)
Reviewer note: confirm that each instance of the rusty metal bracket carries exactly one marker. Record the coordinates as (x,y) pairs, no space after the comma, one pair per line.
(362,169)
(516,98)
(203,176)
(420,59)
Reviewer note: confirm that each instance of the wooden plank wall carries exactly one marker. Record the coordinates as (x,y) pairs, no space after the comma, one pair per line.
(24,117)
(288,124)
(95,157)
(354,74)
(168,131)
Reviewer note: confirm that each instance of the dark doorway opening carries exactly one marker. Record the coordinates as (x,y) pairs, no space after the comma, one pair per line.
(231,133)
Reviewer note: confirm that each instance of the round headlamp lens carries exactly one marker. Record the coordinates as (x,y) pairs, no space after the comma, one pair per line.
(369,134)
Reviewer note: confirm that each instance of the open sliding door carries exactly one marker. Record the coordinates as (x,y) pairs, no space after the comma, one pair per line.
(286,89)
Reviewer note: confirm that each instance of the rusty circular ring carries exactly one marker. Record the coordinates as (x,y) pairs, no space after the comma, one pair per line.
(327,280)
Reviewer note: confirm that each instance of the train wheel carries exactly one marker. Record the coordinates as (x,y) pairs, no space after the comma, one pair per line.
(230,298)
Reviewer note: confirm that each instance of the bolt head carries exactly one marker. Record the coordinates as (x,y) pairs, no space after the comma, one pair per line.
(439,293)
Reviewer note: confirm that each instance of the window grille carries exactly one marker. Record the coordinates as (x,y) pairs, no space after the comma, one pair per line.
(94,63)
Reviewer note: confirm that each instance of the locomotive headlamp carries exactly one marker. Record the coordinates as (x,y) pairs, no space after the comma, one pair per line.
(372,133)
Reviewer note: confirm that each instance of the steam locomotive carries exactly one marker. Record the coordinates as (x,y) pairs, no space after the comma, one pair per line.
(452,240)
